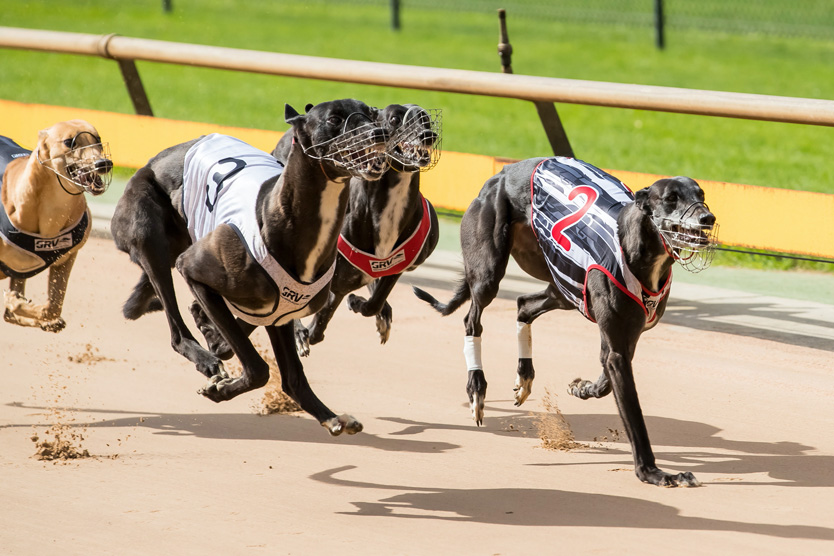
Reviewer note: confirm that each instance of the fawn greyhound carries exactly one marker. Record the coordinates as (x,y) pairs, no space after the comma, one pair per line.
(389,227)
(601,249)
(251,238)
(44,219)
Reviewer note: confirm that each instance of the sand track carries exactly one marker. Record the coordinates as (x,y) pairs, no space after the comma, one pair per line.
(170,472)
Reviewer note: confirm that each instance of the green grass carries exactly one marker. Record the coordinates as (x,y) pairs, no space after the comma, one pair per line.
(761,153)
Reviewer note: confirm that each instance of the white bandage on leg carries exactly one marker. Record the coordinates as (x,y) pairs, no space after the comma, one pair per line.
(525,340)
(472,352)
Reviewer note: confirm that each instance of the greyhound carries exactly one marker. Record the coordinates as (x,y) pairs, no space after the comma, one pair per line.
(389,227)
(602,250)
(45,220)
(251,238)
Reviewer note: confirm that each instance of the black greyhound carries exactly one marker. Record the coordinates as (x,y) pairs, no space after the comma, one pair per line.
(250,237)
(602,250)
(389,227)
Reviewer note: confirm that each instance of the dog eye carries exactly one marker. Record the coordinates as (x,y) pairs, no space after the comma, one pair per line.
(395,121)
(672,199)
(334,120)
(68,142)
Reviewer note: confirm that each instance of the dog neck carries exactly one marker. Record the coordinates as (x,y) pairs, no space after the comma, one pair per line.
(300,215)
(384,212)
(643,248)
(35,201)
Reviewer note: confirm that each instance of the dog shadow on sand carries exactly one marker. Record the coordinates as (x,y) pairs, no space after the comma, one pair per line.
(691,444)
(295,427)
(543,507)
(695,445)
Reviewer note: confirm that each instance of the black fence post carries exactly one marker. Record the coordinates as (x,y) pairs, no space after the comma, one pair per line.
(659,23)
(395,15)
(167,6)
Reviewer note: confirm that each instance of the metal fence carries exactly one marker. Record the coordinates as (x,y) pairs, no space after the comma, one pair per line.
(795,18)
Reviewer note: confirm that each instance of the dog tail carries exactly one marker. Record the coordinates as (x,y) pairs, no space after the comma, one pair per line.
(460,296)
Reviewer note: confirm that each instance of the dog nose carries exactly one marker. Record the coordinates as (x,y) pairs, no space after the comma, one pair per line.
(427,138)
(103,166)
(381,135)
(707,219)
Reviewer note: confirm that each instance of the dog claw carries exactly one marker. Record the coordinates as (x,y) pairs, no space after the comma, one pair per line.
(53,325)
(478,409)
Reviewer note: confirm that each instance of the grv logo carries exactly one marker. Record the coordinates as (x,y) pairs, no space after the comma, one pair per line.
(294,296)
(379,266)
(54,243)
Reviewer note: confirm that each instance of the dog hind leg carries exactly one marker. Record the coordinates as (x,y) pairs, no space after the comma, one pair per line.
(142,300)
(154,261)
(530,307)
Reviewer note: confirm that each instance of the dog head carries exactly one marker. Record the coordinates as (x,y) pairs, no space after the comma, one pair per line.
(74,151)
(415,136)
(677,209)
(345,135)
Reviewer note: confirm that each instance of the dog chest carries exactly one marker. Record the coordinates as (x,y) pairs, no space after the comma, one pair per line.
(222,177)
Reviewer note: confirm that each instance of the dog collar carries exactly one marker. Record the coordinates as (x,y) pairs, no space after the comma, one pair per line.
(400,258)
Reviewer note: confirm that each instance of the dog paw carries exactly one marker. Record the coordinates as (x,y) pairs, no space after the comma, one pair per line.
(655,476)
(214,388)
(383,328)
(302,342)
(579,388)
(355,303)
(343,423)
(522,390)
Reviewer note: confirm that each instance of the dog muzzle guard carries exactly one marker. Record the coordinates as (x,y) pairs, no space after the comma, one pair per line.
(691,243)
(416,143)
(88,167)
(361,151)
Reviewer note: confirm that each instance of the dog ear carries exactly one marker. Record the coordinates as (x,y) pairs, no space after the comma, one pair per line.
(291,116)
(308,107)
(643,201)
(43,148)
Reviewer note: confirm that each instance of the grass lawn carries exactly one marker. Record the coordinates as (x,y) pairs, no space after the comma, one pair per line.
(761,153)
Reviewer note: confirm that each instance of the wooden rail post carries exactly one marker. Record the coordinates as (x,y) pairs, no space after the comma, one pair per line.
(130,75)
(548,115)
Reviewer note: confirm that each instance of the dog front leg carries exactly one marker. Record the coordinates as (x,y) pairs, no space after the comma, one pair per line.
(619,369)
(294,382)
(20,310)
(17,309)
(314,333)
(377,305)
